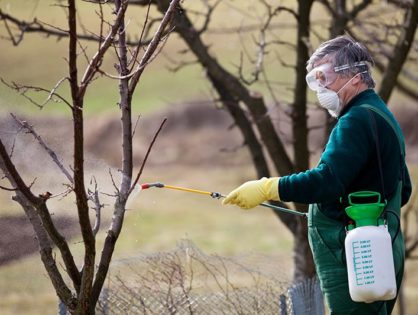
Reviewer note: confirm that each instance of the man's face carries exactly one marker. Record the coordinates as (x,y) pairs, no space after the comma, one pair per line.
(324,76)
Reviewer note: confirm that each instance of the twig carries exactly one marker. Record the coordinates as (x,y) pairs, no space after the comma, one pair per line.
(97,59)
(136,50)
(93,196)
(113,182)
(146,156)
(8,189)
(136,125)
(22,89)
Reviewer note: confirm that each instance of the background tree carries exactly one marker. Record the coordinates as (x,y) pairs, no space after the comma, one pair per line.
(248,107)
(86,281)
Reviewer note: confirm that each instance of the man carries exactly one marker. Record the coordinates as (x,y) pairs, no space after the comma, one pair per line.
(365,151)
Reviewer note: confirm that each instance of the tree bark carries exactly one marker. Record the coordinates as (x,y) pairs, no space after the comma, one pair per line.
(302,255)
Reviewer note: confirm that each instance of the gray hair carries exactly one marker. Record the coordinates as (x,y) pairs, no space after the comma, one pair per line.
(347,54)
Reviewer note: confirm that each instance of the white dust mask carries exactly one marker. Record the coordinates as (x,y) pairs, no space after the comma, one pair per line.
(330,100)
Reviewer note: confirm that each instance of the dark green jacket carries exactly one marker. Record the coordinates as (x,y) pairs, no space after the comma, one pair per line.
(349,162)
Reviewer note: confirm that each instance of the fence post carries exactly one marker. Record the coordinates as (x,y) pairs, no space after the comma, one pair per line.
(283,305)
(62,309)
(104,301)
(306,298)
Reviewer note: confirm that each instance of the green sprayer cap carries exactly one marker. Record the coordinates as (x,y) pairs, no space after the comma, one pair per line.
(365,207)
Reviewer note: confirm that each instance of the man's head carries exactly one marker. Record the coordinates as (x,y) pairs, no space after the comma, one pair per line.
(339,66)
(346,56)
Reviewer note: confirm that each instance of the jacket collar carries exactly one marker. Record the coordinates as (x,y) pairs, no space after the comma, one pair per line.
(357,100)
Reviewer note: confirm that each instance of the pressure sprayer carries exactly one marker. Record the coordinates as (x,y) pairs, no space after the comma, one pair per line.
(368,247)
(216,195)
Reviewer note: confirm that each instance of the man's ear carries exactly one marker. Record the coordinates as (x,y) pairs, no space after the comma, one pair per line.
(356,79)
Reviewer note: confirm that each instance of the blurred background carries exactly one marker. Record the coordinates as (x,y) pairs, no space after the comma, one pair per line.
(200,146)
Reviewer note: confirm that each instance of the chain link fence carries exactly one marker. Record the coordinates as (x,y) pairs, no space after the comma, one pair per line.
(188,281)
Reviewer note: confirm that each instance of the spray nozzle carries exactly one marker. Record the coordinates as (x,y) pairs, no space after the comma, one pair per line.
(216,195)
(149,185)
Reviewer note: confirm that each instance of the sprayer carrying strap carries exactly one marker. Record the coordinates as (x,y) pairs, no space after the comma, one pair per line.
(376,138)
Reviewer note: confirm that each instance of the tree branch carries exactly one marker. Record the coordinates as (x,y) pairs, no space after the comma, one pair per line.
(153,45)
(22,89)
(96,61)
(146,156)
(39,203)
(94,197)
(79,187)
(45,250)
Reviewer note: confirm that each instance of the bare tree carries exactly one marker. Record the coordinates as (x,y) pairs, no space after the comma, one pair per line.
(81,295)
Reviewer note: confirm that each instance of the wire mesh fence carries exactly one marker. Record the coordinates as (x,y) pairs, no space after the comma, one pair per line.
(188,281)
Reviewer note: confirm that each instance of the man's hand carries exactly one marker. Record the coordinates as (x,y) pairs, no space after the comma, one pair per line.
(252,193)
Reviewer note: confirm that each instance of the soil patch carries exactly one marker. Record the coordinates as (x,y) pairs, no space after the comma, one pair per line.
(17,238)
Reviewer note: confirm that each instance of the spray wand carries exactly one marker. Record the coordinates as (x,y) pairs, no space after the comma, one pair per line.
(217,195)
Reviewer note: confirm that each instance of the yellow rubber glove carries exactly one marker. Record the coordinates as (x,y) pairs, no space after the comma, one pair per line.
(252,193)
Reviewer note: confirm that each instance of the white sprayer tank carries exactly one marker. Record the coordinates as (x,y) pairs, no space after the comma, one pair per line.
(371,272)
(368,247)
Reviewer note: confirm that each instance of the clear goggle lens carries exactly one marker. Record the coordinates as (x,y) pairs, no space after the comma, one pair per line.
(320,77)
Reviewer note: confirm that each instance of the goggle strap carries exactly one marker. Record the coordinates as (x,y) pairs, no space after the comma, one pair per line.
(348,66)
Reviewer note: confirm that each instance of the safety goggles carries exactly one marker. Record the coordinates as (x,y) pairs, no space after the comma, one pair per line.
(324,75)
(321,76)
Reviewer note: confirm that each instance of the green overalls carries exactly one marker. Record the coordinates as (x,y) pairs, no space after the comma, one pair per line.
(326,239)
(349,164)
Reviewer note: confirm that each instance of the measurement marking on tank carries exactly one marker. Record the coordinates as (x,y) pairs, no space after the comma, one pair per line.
(363,262)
